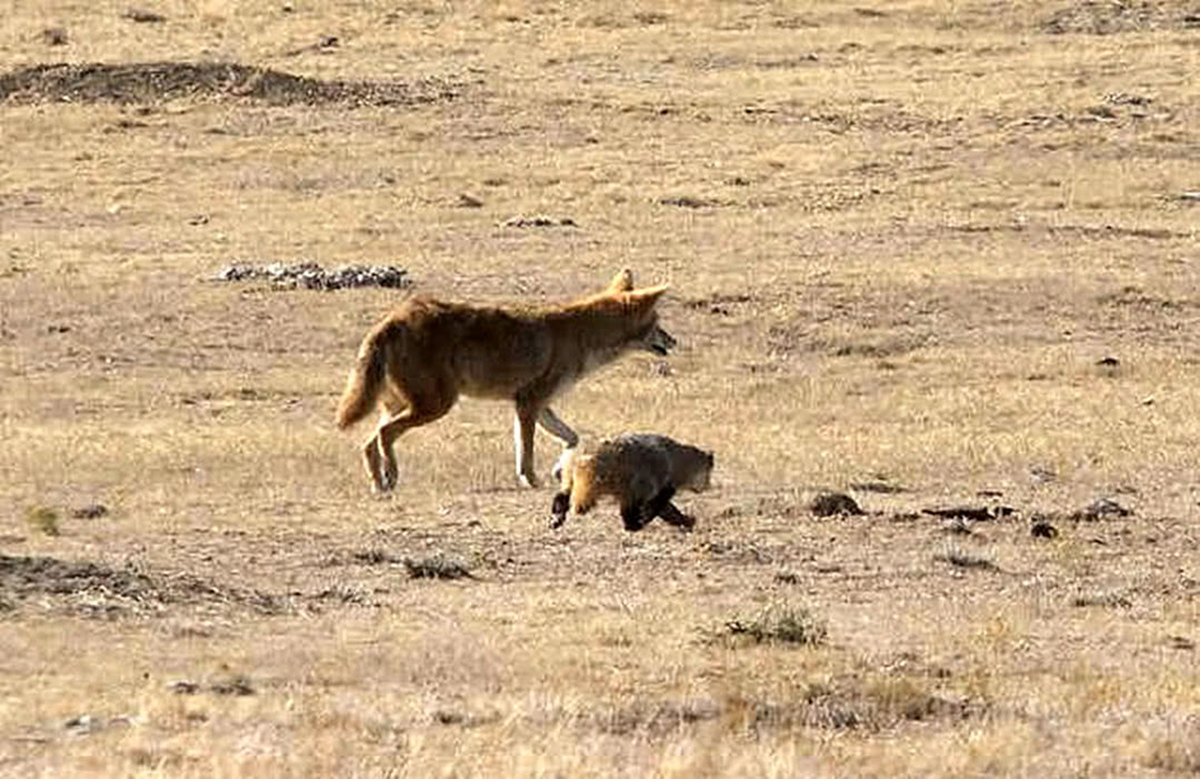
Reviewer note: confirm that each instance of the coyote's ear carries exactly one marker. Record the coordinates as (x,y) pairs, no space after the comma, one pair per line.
(648,296)
(622,282)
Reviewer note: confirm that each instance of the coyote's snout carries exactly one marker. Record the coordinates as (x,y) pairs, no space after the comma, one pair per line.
(418,360)
(659,342)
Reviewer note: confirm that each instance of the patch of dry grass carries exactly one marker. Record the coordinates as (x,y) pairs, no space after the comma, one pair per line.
(900,237)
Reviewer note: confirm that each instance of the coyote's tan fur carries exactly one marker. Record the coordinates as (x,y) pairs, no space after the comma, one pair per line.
(422,356)
(641,470)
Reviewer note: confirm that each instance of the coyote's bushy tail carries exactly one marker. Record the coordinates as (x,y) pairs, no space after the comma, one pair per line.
(365,381)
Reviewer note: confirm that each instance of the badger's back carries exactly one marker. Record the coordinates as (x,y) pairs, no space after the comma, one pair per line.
(634,466)
(662,460)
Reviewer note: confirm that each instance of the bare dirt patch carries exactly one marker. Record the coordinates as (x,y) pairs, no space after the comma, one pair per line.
(853,704)
(94,590)
(150,82)
(1108,17)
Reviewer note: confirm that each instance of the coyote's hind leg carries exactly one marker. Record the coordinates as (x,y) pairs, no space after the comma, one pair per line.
(373,461)
(379,453)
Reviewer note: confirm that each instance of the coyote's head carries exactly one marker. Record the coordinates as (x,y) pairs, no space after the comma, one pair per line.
(646,333)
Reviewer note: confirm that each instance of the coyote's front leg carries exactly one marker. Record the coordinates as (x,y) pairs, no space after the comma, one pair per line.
(523,427)
(553,425)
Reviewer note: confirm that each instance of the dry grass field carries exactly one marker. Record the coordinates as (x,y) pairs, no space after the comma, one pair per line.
(902,239)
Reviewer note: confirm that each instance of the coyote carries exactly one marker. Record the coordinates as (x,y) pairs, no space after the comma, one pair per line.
(422,356)
(642,471)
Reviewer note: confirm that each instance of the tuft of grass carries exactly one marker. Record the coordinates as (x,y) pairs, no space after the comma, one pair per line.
(373,557)
(960,559)
(43,519)
(437,567)
(850,703)
(1109,600)
(1176,755)
(786,624)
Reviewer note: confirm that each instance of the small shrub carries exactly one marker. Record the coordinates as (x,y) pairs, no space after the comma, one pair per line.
(43,519)
(436,568)
(834,504)
(961,559)
(1177,755)
(373,557)
(1109,600)
(785,623)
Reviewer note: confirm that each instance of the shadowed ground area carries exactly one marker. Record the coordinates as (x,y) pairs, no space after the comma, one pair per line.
(158,81)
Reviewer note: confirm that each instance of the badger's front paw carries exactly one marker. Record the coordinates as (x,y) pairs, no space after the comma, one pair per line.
(559,508)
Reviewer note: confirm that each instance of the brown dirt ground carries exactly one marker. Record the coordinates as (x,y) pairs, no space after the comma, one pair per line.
(933,255)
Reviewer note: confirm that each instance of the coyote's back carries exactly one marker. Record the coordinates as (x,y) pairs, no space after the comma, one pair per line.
(421,357)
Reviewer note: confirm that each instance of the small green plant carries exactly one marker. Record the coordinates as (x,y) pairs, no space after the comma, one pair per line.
(781,623)
(43,519)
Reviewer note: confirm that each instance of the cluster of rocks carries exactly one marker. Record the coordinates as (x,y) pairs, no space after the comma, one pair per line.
(838,504)
(310,275)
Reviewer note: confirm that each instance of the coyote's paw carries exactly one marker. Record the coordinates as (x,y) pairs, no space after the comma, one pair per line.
(383,478)
(528,480)
(561,463)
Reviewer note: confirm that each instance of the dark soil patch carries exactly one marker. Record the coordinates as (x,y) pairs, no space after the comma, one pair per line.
(540,221)
(91,511)
(150,82)
(857,706)
(1107,17)
(969,561)
(1043,529)
(974,513)
(463,719)
(230,685)
(1108,600)
(1134,297)
(687,201)
(651,718)
(1102,508)
(841,706)
(831,504)
(90,589)
(436,568)
(879,486)
(718,303)
(375,557)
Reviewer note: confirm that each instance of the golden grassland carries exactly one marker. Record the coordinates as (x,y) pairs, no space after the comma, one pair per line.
(900,237)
